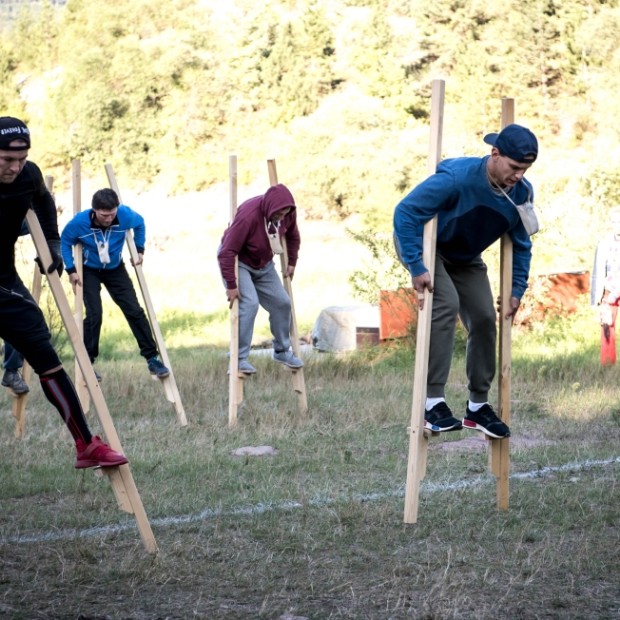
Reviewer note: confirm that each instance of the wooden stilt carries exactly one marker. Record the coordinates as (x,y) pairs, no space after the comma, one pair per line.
(20,400)
(170,386)
(418,439)
(235,378)
(19,404)
(299,384)
(78,302)
(122,481)
(499,455)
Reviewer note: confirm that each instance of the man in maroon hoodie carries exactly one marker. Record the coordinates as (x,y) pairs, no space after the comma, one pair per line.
(254,237)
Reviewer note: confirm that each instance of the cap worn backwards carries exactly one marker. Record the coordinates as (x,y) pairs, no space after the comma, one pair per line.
(13,129)
(516,142)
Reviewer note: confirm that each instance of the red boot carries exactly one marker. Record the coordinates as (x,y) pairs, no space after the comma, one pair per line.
(97,454)
(608,345)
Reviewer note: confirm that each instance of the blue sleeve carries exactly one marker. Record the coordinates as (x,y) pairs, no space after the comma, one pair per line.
(521,260)
(521,253)
(412,213)
(68,238)
(136,223)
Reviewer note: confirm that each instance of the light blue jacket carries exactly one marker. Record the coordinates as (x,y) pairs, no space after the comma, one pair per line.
(84,229)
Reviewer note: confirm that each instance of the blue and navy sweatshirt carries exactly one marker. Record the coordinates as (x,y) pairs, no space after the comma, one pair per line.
(84,229)
(470,218)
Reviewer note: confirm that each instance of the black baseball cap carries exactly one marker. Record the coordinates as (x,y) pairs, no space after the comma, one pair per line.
(516,142)
(13,129)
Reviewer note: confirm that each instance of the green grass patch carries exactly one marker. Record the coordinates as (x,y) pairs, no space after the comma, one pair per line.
(329,541)
(316,531)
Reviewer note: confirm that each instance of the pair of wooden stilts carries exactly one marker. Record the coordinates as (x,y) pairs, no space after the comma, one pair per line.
(121,478)
(236,378)
(499,460)
(86,384)
(88,388)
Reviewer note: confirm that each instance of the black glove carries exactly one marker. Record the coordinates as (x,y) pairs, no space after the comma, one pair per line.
(56,264)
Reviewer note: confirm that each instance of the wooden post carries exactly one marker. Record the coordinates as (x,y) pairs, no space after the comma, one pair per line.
(170,386)
(499,455)
(78,302)
(19,404)
(418,439)
(125,490)
(235,378)
(299,384)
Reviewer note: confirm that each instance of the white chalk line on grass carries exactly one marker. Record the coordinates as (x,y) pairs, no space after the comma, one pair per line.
(261,508)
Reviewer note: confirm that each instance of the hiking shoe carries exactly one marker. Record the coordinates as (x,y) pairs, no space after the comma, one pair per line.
(246,368)
(440,419)
(486,420)
(13,380)
(157,368)
(287,358)
(97,454)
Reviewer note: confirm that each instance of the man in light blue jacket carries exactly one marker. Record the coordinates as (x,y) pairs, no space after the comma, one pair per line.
(101,231)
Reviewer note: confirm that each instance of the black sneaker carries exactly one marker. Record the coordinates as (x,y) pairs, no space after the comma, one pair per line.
(157,368)
(440,419)
(13,380)
(486,420)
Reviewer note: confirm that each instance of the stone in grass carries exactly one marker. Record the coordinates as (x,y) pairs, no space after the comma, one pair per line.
(255,451)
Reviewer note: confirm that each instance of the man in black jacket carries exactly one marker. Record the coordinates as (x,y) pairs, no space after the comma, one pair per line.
(21,320)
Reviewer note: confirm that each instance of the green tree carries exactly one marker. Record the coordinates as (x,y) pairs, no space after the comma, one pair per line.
(9,92)
(134,90)
(287,62)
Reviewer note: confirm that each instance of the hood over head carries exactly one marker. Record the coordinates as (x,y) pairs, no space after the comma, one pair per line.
(277,198)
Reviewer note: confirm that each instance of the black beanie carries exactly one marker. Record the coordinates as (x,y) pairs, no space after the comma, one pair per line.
(13,129)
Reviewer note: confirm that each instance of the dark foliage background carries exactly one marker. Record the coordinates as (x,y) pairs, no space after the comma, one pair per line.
(338,91)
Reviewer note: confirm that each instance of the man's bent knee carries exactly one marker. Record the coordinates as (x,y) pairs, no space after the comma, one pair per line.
(51,371)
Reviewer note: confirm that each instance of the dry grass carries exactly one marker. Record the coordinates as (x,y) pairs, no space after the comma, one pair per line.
(315,531)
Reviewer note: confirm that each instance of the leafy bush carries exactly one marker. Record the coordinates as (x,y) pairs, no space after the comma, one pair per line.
(385,271)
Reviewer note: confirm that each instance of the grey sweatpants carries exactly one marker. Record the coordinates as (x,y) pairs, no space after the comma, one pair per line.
(263,287)
(465,291)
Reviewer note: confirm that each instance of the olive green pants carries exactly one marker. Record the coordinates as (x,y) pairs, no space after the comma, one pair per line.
(462,291)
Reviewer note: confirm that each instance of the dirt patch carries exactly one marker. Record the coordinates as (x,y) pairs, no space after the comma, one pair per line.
(478,442)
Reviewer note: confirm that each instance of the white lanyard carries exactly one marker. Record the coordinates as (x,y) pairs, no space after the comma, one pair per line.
(274,237)
(103,247)
(526,213)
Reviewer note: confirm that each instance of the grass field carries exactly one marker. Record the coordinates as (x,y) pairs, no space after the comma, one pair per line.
(316,530)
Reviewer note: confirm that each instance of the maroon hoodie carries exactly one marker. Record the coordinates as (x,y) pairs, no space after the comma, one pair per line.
(247,239)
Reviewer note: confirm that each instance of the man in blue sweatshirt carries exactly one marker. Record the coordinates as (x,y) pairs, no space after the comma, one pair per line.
(101,231)
(476,201)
